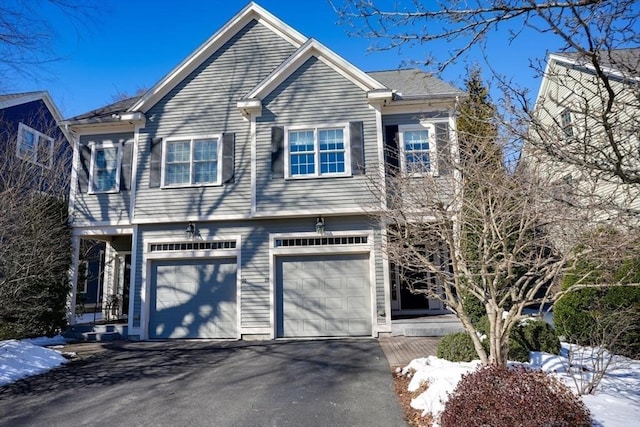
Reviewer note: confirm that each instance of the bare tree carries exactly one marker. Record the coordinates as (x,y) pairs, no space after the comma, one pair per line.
(35,249)
(28,31)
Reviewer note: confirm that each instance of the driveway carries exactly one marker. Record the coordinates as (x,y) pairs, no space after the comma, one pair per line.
(343,382)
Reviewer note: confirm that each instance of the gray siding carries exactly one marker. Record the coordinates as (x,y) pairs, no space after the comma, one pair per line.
(314,94)
(254,264)
(103,207)
(205,103)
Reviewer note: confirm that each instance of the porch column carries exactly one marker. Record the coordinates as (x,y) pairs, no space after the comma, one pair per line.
(73,279)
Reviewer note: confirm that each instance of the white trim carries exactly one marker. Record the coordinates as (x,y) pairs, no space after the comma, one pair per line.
(310,49)
(433,153)
(134,171)
(346,136)
(75,163)
(37,135)
(102,230)
(148,257)
(73,278)
(105,145)
(215,42)
(274,252)
(191,140)
(132,285)
(254,165)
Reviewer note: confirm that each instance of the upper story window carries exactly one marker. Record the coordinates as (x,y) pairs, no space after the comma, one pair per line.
(192,161)
(566,122)
(34,146)
(317,151)
(105,168)
(418,148)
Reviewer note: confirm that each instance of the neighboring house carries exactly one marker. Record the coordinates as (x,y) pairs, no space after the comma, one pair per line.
(233,195)
(586,125)
(36,155)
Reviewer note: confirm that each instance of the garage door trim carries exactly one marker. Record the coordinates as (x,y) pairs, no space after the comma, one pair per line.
(322,249)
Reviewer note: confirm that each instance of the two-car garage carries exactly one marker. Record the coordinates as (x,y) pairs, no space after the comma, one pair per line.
(314,294)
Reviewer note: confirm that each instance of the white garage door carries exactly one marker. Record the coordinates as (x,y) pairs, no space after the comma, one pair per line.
(193,299)
(321,296)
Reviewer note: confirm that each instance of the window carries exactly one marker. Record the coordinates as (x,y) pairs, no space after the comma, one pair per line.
(319,151)
(192,161)
(34,146)
(105,168)
(418,149)
(566,122)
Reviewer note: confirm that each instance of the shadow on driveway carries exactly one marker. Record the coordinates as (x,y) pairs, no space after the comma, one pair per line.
(343,382)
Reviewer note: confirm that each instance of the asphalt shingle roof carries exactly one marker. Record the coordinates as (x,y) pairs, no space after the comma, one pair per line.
(414,83)
(108,110)
(626,61)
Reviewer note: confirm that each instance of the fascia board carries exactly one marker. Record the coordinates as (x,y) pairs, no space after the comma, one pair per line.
(313,48)
(18,100)
(224,34)
(607,70)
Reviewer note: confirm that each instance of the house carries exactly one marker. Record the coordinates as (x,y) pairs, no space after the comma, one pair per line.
(233,195)
(37,153)
(584,130)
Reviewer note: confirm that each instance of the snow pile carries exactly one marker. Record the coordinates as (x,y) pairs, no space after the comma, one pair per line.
(616,402)
(19,359)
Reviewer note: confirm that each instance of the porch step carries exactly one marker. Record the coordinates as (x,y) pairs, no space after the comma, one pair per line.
(90,332)
(428,326)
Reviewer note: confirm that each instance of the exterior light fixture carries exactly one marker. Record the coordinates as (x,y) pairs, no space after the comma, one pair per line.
(191,230)
(320,225)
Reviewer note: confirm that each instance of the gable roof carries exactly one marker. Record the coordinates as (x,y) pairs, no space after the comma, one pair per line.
(107,112)
(12,99)
(251,12)
(621,63)
(313,48)
(415,83)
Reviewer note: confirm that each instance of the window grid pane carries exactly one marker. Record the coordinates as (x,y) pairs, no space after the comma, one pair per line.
(331,151)
(205,161)
(27,145)
(416,148)
(105,169)
(302,158)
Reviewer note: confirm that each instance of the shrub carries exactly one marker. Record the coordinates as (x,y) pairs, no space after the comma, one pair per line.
(531,335)
(457,347)
(499,396)
(474,309)
(536,335)
(581,315)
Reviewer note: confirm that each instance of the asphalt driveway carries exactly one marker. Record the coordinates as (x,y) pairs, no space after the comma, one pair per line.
(266,383)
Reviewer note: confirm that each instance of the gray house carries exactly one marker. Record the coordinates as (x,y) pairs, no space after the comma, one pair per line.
(234,195)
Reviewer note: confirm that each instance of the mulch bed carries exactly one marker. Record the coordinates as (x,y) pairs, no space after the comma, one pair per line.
(413,417)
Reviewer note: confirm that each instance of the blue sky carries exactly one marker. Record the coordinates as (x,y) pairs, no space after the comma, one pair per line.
(131,45)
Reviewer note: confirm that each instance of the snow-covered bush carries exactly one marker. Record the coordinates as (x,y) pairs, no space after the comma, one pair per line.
(499,396)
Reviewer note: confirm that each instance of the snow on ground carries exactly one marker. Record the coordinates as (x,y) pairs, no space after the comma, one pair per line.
(616,402)
(23,358)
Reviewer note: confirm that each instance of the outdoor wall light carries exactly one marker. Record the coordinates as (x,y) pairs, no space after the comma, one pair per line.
(191,230)
(320,225)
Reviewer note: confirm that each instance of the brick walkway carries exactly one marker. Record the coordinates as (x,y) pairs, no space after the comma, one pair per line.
(402,350)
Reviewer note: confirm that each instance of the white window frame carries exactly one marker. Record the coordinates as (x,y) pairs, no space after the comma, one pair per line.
(38,136)
(567,125)
(316,128)
(433,155)
(191,139)
(82,288)
(102,146)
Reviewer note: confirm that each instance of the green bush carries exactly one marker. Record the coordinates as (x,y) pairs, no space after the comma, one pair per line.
(602,316)
(499,396)
(528,336)
(536,335)
(457,347)
(473,308)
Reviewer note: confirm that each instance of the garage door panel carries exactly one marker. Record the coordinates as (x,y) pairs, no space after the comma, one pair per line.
(193,298)
(323,295)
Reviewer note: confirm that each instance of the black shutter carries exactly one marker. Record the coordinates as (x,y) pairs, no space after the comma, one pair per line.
(391,149)
(277,152)
(356,136)
(228,158)
(126,165)
(442,147)
(155,163)
(83,170)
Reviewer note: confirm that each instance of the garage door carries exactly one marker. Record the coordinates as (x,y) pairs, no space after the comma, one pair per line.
(321,296)
(193,299)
